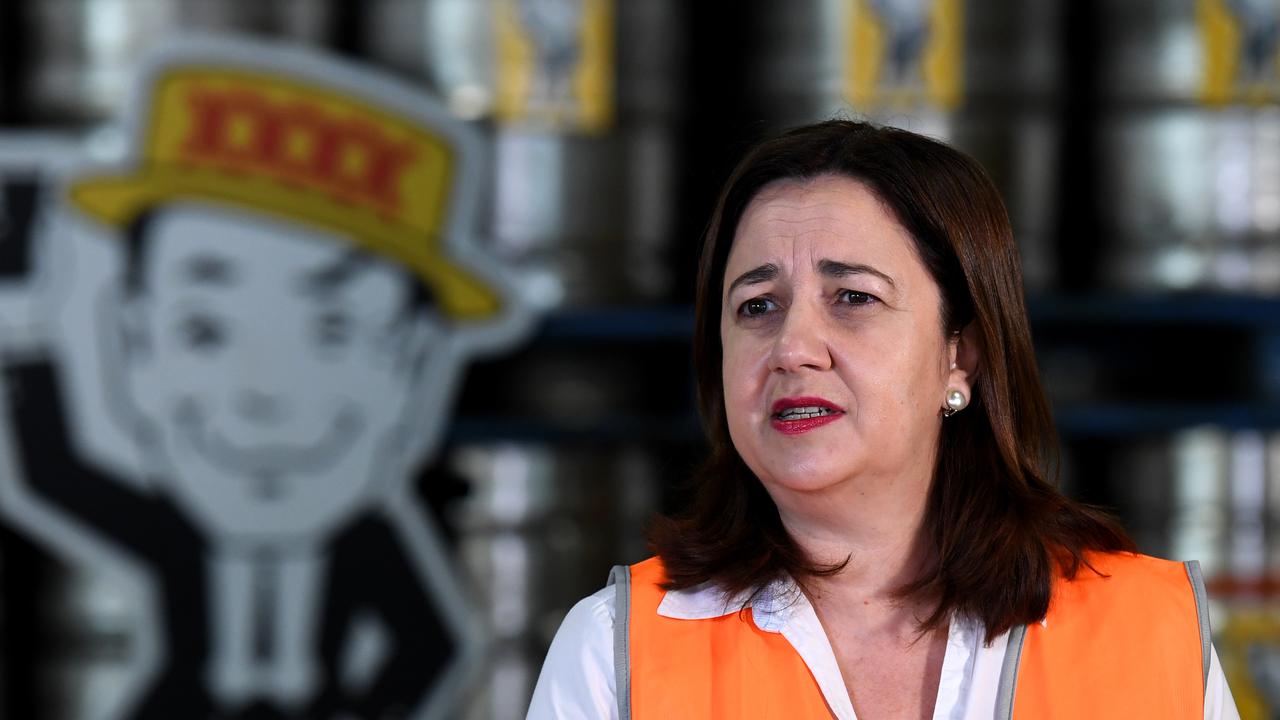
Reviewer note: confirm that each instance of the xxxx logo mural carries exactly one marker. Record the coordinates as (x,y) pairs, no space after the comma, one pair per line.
(253,328)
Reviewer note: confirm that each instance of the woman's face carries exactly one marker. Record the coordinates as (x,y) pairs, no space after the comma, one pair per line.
(836,365)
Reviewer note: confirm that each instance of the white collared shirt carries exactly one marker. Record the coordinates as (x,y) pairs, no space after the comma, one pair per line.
(577,680)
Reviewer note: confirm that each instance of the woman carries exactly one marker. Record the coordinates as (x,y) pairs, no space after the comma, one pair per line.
(876,533)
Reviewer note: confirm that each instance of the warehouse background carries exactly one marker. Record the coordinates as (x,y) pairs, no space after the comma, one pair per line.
(1137,145)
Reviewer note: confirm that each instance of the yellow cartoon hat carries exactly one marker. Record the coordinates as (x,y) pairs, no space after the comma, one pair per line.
(303,151)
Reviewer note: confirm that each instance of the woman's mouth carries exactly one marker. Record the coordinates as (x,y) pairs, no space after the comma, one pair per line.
(793,416)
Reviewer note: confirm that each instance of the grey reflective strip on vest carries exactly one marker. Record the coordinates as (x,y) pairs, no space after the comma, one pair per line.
(1202,612)
(1009,672)
(620,579)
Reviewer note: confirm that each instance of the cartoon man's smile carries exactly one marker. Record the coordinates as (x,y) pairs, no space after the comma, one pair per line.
(271,469)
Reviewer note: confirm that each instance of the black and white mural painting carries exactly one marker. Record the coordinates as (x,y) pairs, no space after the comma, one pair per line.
(229,345)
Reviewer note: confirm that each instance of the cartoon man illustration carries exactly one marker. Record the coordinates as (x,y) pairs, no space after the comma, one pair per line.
(294,309)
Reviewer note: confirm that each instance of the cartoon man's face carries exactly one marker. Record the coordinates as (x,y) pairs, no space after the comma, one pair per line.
(272,363)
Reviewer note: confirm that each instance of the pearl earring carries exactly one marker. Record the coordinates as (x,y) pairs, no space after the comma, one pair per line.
(956,401)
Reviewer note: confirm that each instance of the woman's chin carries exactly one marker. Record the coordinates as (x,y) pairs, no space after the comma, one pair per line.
(815,481)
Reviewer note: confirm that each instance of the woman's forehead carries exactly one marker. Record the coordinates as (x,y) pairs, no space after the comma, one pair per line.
(801,222)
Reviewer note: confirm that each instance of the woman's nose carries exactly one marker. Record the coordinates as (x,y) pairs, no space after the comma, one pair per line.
(801,343)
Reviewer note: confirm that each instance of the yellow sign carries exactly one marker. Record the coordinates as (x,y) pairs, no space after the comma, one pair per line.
(1241,62)
(275,144)
(1249,648)
(555,63)
(904,54)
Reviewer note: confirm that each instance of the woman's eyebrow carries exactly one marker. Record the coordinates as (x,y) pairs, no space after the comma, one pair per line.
(764,273)
(836,269)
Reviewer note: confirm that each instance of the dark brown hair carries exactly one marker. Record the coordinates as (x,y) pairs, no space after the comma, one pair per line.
(1000,528)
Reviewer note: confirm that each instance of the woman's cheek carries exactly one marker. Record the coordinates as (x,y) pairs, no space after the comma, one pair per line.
(744,376)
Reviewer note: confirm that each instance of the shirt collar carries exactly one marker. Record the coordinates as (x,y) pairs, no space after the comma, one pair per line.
(771,608)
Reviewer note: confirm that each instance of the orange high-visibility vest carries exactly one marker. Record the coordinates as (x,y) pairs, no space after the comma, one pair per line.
(1128,641)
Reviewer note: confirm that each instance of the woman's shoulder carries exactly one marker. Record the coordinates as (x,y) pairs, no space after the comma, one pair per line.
(1152,588)
(590,620)
(1122,570)
(577,678)
(649,570)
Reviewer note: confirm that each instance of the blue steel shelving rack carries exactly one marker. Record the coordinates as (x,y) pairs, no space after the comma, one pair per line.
(1257,320)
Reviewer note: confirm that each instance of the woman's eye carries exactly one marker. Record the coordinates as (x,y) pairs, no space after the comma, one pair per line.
(853,297)
(755,306)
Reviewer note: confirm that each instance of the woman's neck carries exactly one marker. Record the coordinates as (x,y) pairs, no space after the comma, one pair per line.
(878,527)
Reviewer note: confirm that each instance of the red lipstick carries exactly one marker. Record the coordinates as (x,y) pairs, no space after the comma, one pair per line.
(797,415)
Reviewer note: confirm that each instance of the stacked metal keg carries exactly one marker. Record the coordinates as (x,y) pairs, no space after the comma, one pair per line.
(82,53)
(584,119)
(582,99)
(1189,191)
(981,75)
(1191,144)
(584,102)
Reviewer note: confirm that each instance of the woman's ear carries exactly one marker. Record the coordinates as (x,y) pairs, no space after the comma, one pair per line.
(965,352)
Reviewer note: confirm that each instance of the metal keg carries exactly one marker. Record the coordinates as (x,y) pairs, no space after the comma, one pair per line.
(82,53)
(583,97)
(1196,494)
(1272,493)
(1222,502)
(1199,525)
(1190,144)
(1245,605)
(1247,541)
(536,518)
(1140,478)
(981,75)
(582,101)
